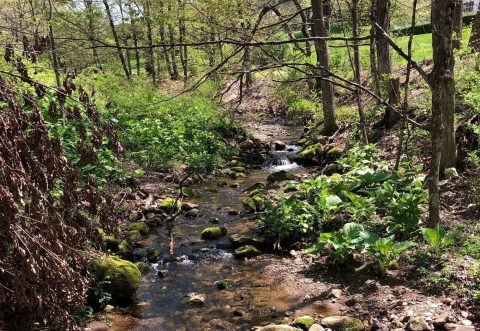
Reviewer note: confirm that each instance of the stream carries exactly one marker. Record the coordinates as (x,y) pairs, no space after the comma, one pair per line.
(250,297)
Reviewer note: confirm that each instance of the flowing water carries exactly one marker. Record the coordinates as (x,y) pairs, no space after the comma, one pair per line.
(250,297)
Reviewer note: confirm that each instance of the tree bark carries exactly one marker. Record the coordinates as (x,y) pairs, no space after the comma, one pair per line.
(474,41)
(54,55)
(163,40)
(458,24)
(182,35)
(384,62)
(443,100)
(91,31)
(115,37)
(320,24)
(151,55)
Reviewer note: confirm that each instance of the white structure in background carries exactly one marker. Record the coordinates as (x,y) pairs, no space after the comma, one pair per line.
(470,6)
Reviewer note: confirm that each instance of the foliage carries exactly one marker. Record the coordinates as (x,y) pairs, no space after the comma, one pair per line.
(438,238)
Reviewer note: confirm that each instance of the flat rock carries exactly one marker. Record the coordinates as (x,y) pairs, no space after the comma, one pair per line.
(279,327)
(343,323)
(194,299)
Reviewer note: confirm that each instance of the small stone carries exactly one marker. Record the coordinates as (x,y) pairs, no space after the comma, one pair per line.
(214,232)
(233,212)
(343,323)
(247,251)
(316,327)
(418,323)
(153,254)
(466,322)
(189,206)
(238,312)
(464,314)
(304,322)
(109,308)
(214,220)
(194,299)
(192,213)
(162,273)
(334,293)
(277,327)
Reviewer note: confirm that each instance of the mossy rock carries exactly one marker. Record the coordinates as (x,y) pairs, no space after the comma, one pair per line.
(254,204)
(335,151)
(170,205)
(143,267)
(311,152)
(222,283)
(304,322)
(255,186)
(236,163)
(246,251)
(153,254)
(133,236)
(238,169)
(222,183)
(239,240)
(141,227)
(343,323)
(125,250)
(260,192)
(321,139)
(280,176)
(214,232)
(122,279)
(190,192)
(112,243)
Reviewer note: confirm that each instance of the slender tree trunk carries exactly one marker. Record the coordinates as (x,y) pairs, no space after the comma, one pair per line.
(151,55)
(474,41)
(384,62)
(443,100)
(182,34)
(54,55)
(115,37)
(304,29)
(373,49)
(92,34)
(137,53)
(163,40)
(127,56)
(320,24)
(357,70)
(173,53)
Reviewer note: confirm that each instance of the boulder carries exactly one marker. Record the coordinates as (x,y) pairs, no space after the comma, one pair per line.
(239,240)
(214,232)
(238,169)
(246,251)
(123,278)
(418,323)
(311,152)
(236,163)
(342,323)
(254,204)
(279,145)
(304,322)
(192,213)
(334,151)
(141,227)
(255,186)
(280,176)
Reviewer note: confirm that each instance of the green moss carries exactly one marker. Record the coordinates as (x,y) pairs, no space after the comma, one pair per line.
(336,151)
(123,278)
(281,176)
(170,205)
(141,227)
(214,232)
(236,163)
(255,186)
(238,169)
(304,322)
(153,254)
(133,236)
(311,151)
(246,251)
(143,267)
(254,204)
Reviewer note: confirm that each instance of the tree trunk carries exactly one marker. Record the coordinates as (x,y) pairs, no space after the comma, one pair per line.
(458,24)
(54,55)
(304,29)
(384,62)
(163,40)
(443,100)
(320,23)
(182,34)
(137,53)
(474,41)
(357,70)
(173,53)
(150,52)
(373,49)
(91,31)
(115,37)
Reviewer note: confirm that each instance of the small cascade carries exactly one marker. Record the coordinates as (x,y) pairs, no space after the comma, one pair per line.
(281,159)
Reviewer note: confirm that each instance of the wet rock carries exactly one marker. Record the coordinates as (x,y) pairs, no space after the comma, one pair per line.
(123,278)
(279,327)
(316,327)
(214,232)
(233,211)
(255,186)
(162,273)
(236,163)
(143,267)
(335,151)
(280,176)
(222,284)
(192,213)
(153,254)
(311,152)
(214,220)
(234,185)
(238,240)
(125,250)
(189,206)
(342,323)
(238,312)
(247,145)
(238,169)
(353,300)
(194,299)
(247,251)
(222,183)
(254,204)
(304,322)
(279,145)
(377,326)
(141,227)
(418,323)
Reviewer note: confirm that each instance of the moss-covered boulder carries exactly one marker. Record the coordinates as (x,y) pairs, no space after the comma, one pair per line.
(125,250)
(121,278)
(133,237)
(280,176)
(311,152)
(170,205)
(255,186)
(236,163)
(238,169)
(153,254)
(141,227)
(254,204)
(239,240)
(247,251)
(335,151)
(304,322)
(214,232)
(143,267)
(343,323)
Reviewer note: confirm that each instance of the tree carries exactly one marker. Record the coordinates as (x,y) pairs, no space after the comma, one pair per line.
(458,24)
(474,41)
(320,24)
